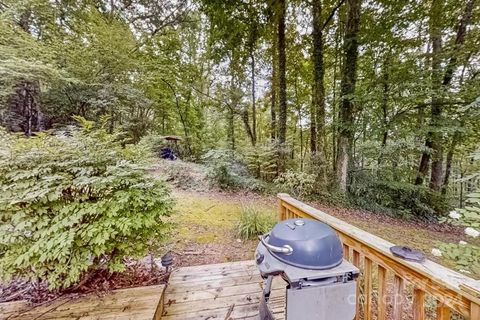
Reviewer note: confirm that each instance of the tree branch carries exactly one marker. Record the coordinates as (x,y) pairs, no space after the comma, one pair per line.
(332,13)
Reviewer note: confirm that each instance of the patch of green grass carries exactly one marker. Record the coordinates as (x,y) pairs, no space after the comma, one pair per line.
(203,218)
(254,222)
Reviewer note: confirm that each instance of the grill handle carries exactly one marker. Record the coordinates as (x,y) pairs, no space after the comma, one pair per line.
(286,249)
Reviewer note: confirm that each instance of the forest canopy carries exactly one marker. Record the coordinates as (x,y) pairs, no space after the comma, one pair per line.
(377,99)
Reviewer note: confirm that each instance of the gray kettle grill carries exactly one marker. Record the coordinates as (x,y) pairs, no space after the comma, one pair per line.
(308,255)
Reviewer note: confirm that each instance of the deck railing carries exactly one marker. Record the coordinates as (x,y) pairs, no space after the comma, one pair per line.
(398,283)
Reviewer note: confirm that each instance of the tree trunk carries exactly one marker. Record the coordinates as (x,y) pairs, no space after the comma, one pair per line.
(386,89)
(338,33)
(282,84)
(274,86)
(254,107)
(231,128)
(252,46)
(449,161)
(319,89)
(346,133)
(313,126)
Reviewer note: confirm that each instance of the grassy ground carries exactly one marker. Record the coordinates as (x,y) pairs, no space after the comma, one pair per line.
(205,231)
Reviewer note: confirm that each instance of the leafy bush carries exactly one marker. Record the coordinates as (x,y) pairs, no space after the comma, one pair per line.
(378,194)
(254,222)
(225,170)
(296,183)
(466,254)
(184,175)
(71,202)
(153,142)
(262,161)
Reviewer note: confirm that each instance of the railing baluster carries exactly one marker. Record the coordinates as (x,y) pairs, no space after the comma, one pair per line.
(356,263)
(368,288)
(398,296)
(382,293)
(281,211)
(443,312)
(346,252)
(418,304)
(474,311)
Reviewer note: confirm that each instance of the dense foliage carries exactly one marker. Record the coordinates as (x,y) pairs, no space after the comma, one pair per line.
(325,88)
(466,254)
(72,201)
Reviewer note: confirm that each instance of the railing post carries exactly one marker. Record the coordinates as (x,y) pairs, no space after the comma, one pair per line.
(418,304)
(443,312)
(356,263)
(281,208)
(382,293)
(398,296)
(368,266)
(474,311)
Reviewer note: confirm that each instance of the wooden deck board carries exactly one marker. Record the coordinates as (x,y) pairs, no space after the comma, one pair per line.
(211,291)
(134,303)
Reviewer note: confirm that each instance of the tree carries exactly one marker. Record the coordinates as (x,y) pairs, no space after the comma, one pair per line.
(434,141)
(346,130)
(282,83)
(317,115)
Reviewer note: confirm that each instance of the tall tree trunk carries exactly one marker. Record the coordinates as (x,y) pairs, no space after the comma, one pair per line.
(449,161)
(349,70)
(299,110)
(385,93)
(231,128)
(254,107)
(313,126)
(319,88)
(338,33)
(274,86)
(282,84)
(252,46)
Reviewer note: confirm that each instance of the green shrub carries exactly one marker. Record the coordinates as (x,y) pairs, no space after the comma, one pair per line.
(296,183)
(372,192)
(254,222)
(262,161)
(466,254)
(71,202)
(225,170)
(182,174)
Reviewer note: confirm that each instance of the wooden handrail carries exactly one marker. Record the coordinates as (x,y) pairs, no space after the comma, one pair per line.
(452,290)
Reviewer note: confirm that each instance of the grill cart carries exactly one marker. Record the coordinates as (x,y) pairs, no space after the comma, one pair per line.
(308,255)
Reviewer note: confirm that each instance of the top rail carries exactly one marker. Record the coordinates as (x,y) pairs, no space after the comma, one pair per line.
(452,290)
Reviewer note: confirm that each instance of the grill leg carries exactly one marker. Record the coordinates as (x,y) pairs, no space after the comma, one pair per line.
(265,313)
(267,288)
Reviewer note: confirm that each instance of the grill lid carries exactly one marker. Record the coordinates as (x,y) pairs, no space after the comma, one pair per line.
(305,243)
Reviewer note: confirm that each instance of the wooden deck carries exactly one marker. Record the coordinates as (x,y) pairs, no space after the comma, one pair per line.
(125,304)
(219,291)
